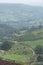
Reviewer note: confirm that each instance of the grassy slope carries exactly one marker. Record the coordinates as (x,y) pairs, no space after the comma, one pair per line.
(29,36)
(15,57)
(20,50)
(33,44)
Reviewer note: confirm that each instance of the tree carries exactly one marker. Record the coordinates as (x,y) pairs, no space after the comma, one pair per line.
(39,49)
(39,58)
(6,46)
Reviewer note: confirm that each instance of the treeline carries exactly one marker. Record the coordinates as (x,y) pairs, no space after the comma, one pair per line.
(6,45)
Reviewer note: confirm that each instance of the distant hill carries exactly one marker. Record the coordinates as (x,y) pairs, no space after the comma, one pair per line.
(6,30)
(20,15)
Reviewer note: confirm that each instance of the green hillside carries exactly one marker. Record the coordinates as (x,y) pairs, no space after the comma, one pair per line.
(21,33)
(22,48)
(25,35)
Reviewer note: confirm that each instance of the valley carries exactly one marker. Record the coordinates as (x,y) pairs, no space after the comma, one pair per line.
(21,33)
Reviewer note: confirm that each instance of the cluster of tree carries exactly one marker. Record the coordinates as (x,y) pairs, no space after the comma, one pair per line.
(40,58)
(6,45)
(39,49)
(39,53)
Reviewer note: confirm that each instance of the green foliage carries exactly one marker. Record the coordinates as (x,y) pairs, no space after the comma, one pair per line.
(6,45)
(39,49)
(40,58)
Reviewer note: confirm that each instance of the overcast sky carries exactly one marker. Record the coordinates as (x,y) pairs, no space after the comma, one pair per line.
(30,2)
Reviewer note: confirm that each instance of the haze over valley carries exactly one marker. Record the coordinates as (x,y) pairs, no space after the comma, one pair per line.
(21,33)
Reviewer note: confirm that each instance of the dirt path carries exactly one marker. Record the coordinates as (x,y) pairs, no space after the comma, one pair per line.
(4,62)
(32,51)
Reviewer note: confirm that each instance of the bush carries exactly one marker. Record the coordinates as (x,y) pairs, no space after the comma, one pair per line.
(39,59)
(6,46)
(39,49)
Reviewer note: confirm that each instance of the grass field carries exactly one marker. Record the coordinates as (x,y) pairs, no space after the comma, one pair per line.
(33,44)
(15,57)
(20,50)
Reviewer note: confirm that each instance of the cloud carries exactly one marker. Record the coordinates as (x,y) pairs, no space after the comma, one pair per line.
(31,2)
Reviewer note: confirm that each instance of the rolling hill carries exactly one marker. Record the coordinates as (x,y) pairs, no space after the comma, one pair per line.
(22,26)
(20,15)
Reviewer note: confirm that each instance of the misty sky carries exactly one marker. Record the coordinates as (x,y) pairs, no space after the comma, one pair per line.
(30,2)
